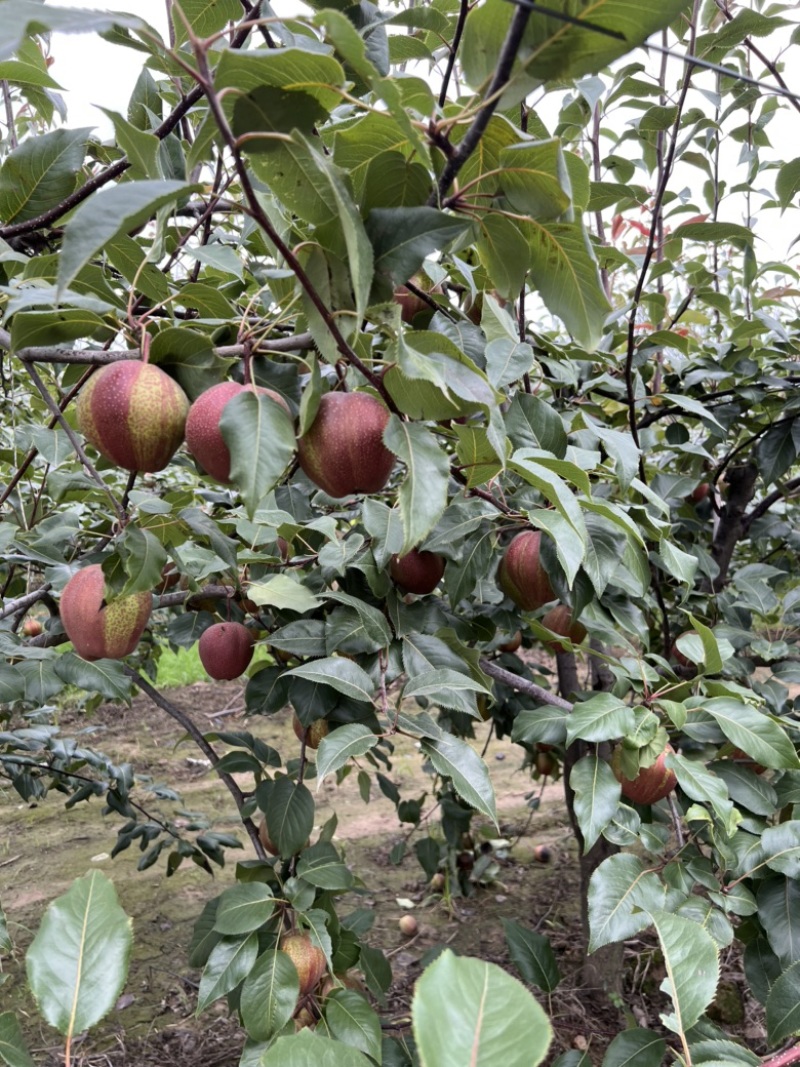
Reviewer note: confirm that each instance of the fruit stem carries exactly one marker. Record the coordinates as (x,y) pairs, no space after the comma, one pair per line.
(146,346)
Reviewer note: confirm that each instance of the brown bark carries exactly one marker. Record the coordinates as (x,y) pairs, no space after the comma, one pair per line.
(602,971)
(741,487)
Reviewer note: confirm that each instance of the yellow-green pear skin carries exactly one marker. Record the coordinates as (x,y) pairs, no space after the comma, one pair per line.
(98,630)
(134,414)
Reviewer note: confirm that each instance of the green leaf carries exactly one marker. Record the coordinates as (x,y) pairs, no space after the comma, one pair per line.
(715,232)
(553,50)
(635,1048)
(466,1011)
(621,893)
(29,16)
(777,451)
(12,1043)
(78,961)
(712,658)
(244,908)
(692,963)
(322,867)
(504,254)
(781,845)
(455,760)
(340,674)
(269,995)
(423,494)
(205,16)
(283,593)
(309,1048)
(30,328)
(230,962)
(564,270)
(40,173)
(534,178)
(5,940)
(507,361)
(779,913)
(143,558)
(600,718)
(340,746)
(783,1006)
(402,238)
(104,676)
(353,1022)
(701,784)
(260,435)
(374,626)
(533,423)
(787,182)
(533,956)
(753,732)
(108,213)
(140,147)
(290,815)
(597,794)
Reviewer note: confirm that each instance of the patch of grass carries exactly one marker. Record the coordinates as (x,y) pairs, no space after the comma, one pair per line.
(180,668)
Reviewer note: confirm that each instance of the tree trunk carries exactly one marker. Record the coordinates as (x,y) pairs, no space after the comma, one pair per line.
(602,971)
(741,490)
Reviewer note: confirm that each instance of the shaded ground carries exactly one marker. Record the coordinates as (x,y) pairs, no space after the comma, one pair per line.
(42,848)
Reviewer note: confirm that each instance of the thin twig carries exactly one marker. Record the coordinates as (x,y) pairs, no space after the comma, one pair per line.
(73,439)
(502,75)
(659,199)
(198,737)
(12,132)
(451,59)
(522,685)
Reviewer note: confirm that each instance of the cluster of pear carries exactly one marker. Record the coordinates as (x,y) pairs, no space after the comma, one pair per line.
(137,416)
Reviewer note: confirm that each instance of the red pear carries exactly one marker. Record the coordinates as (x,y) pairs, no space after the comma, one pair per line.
(343,451)
(559,620)
(521,575)
(226,649)
(203,435)
(134,414)
(417,572)
(316,731)
(32,627)
(650,784)
(96,629)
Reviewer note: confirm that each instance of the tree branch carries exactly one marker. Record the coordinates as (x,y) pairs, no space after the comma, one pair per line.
(763,507)
(741,488)
(668,165)
(502,74)
(119,167)
(522,685)
(198,737)
(100,357)
(451,59)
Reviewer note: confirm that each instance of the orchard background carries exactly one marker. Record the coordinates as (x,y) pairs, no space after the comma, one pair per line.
(516,295)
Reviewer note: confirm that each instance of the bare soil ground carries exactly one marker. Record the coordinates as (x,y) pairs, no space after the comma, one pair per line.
(43,847)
